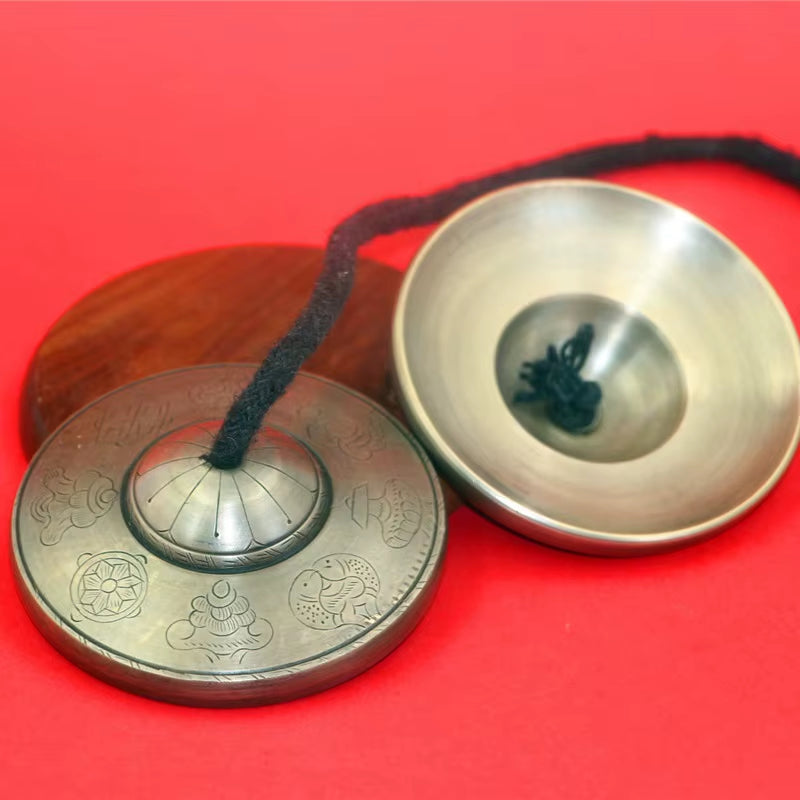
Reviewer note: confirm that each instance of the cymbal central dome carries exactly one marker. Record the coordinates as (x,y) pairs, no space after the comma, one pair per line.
(216,520)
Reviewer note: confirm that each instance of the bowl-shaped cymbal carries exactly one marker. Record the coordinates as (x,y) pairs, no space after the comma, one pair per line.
(696,356)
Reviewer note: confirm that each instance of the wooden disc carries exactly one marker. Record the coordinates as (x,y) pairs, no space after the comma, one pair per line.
(223,305)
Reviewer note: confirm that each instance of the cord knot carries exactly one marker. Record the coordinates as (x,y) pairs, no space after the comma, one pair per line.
(570,402)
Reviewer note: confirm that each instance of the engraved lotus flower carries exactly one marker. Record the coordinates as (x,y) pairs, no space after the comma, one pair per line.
(109,586)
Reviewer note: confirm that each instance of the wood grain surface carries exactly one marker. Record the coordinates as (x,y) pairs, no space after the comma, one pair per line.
(221,305)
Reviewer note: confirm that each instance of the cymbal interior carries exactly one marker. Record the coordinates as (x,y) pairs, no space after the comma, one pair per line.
(697,358)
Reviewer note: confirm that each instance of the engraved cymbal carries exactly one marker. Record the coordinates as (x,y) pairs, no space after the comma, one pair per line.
(167,577)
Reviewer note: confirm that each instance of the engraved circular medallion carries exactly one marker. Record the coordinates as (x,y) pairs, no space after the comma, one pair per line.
(108,586)
(292,573)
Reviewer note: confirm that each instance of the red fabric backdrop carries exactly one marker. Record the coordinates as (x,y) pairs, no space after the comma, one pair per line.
(133,132)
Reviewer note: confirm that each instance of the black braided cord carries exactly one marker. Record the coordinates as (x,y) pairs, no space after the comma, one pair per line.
(272,378)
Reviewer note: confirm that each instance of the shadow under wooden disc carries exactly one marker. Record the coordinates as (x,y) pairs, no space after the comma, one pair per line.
(223,305)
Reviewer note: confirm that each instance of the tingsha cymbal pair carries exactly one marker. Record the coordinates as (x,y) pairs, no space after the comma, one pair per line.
(591,366)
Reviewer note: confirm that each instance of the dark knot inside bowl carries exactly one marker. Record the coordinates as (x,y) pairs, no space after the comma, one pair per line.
(644,393)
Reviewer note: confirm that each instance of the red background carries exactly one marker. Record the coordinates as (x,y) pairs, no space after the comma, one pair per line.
(133,132)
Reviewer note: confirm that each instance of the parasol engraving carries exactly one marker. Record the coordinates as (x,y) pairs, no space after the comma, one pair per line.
(398,512)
